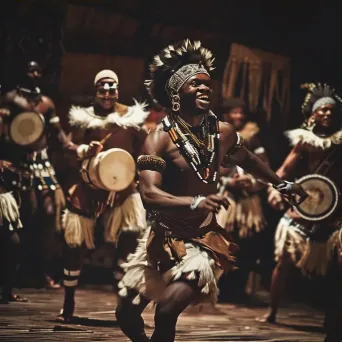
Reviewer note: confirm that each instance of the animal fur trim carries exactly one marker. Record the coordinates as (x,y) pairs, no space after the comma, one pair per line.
(86,118)
(9,211)
(140,275)
(302,135)
(244,214)
(143,277)
(309,256)
(130,216)
(78,229)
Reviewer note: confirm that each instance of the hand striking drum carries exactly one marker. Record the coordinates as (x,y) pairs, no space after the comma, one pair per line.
(106,139)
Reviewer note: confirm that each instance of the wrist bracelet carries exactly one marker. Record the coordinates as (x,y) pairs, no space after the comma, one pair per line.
(284,187)
(196,201)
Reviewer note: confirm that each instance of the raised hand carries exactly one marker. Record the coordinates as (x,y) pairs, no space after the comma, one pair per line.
(95,147)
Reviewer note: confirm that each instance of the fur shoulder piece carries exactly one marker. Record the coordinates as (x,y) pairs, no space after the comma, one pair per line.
(307,137)
(86,118)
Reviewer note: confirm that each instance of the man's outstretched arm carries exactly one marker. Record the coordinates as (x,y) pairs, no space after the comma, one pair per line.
(238,154)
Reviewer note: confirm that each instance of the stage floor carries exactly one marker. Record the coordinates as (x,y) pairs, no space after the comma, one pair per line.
(35,321)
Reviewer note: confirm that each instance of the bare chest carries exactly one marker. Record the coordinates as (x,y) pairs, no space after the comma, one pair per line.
(180,178)
(114,138)
(326,162)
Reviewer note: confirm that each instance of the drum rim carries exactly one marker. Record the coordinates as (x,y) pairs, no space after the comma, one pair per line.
(41,116)
(117,149)
(328,212)
(85,168)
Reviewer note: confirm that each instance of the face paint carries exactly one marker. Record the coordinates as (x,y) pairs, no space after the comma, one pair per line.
(106,94)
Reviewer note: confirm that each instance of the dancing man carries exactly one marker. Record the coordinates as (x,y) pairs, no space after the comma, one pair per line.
(181,258)
(244,217)
(316,150)
(106,124)
(30,195)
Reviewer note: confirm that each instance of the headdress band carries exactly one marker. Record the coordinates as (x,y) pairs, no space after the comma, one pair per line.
(106,73)
(323,101)
(182,75)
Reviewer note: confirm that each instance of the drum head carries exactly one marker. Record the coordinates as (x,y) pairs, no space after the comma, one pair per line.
(116,169)
(322,200)
(26,128)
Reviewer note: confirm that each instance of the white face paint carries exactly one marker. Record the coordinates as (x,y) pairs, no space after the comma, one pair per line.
(106,93)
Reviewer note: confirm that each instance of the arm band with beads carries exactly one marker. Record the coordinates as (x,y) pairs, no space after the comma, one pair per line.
(226,159)
(152,163)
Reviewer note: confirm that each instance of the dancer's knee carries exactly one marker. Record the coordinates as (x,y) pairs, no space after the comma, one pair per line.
(166,314)
(126,310)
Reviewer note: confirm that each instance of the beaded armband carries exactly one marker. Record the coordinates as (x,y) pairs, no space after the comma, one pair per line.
(238,144)
(226,159)
(152,163)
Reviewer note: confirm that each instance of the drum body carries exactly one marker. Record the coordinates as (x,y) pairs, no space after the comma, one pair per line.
(323,197)
(111,170)
(27,128)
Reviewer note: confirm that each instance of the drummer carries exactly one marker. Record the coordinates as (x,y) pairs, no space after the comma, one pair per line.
(30,195)
(301,242)
(106,124)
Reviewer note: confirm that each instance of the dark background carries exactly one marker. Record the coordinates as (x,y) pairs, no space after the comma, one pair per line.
(308,32)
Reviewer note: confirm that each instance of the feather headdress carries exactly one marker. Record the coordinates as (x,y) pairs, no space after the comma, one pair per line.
(317,96)
(173,66)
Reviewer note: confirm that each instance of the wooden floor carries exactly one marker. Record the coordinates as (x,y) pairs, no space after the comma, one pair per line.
(35,321)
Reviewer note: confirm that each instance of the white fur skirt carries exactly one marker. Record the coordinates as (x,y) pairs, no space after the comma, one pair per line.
(310,256)
(145,279)
(9,211)
(130,216)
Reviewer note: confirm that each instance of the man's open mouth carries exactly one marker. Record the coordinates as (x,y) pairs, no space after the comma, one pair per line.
(203,98)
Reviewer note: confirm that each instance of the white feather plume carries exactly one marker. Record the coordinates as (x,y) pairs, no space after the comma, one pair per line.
(186,47)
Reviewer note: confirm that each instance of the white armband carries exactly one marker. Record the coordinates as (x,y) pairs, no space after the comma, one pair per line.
(196,201)
(82,150)
(54,119)
(259,150)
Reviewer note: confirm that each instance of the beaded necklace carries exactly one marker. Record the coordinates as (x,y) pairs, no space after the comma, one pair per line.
(201,150)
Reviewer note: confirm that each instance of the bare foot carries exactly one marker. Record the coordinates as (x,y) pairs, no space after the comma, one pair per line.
(16,298)
(267,318)
(65,317)
(66,314)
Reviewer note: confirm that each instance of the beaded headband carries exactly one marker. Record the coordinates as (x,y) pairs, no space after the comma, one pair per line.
(182,75)
(317,96)
(323,101)
(173,66)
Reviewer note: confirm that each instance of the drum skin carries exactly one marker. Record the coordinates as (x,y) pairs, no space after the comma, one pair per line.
(27,128)
(323,197)
(111,170)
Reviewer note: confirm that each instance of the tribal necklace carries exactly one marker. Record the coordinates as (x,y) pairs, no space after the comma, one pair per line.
(199,147)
